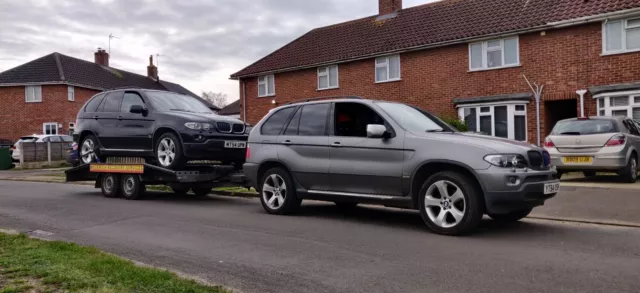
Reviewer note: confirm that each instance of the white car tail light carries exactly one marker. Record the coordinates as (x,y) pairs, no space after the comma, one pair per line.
(548,143)
(616,140)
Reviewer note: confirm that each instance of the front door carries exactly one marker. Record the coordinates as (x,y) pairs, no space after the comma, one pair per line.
(304,146)
(359,164)
(107,120)
(134,129)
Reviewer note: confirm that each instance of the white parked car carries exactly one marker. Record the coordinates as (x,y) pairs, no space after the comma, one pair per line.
(39,138)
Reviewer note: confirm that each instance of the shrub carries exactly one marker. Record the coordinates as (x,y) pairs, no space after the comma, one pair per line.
(456,123)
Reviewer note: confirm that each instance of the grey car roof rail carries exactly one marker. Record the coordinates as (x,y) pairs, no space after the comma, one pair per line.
(323,98)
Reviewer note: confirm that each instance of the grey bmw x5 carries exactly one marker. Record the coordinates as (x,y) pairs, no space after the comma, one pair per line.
(352,150)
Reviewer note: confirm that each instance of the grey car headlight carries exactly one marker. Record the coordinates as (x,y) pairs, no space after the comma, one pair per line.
(507,161)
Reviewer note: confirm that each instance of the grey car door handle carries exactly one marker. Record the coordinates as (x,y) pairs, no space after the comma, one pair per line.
(119,117)
(286,142)
(336,144)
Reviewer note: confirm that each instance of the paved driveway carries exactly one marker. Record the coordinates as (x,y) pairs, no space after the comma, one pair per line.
(233,242)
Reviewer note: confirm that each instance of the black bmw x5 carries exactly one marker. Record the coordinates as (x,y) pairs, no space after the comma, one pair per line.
(168,128)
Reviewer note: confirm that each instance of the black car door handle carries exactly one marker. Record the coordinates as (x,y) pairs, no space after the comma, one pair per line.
(336,144)
(287,142)
(119,117)
(95,117)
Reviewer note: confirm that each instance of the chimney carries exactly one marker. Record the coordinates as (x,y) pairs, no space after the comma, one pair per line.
(389,6)
(101,57)
(152,70)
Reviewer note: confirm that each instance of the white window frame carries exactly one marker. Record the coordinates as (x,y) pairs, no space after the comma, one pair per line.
(36,91)
(386,65)
(71,93)
(608,109)
(264,80)
(54,124)
(485,50)
(511,114)
(327,70)
(623,39)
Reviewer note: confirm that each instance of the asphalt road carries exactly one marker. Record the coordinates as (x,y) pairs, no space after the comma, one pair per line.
(233,242)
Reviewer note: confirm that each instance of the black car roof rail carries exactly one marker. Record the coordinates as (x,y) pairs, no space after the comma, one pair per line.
(323,98)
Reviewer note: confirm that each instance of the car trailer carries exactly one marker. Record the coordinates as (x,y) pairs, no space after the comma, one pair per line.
(128,177)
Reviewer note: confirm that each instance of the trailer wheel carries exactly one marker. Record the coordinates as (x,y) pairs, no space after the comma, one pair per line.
(132,188)
(110,185)
(201,191)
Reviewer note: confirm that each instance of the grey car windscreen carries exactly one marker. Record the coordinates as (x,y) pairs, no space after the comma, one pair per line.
(413,119)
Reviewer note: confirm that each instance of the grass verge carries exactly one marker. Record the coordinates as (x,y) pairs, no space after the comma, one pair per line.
(30,265)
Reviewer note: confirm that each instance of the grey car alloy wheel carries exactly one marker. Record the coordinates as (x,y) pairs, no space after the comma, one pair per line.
(166,152)
(274,191)
(445,204)
(87,151)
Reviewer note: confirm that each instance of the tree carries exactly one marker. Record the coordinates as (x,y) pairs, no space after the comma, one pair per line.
(217,99)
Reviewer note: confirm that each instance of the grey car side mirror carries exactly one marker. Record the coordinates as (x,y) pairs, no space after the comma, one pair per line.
(377,131)
(137,109)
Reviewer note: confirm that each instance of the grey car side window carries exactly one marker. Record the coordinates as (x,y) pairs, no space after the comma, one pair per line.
(351,119)
(275,123)
(313,120)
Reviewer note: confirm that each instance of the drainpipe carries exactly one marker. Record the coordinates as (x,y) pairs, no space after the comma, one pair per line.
(244,102)
(581,93)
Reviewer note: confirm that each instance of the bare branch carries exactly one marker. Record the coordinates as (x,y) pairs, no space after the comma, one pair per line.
(217,99)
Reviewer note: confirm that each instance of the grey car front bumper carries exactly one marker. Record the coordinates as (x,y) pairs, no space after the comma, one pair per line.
(502,196)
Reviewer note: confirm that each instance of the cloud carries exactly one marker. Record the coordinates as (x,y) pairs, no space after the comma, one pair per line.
(200,42)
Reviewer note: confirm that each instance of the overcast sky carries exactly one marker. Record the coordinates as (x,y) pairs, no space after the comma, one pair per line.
(200,42)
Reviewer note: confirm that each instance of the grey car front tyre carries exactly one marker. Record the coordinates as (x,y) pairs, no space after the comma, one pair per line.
(450,204)
(278,193)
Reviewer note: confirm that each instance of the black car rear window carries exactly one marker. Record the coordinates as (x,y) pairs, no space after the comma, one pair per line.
(583,127)
(274,124)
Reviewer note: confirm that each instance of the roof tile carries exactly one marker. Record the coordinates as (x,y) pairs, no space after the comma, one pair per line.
(424,25)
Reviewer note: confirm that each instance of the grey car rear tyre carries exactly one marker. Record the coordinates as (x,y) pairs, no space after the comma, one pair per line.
(278,193)
(511,217)
(630,172)
(450,204)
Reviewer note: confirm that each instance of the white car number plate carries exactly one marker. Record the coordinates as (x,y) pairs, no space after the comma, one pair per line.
(235,144)
(550,188)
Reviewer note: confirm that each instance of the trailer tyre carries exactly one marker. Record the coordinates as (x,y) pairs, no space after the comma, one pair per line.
(110,185)
(131,187)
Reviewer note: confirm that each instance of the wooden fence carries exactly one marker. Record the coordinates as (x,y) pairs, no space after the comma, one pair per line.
(43,151)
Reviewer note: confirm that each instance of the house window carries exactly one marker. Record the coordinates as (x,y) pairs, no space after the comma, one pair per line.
(33,94)
(71,96)
(501,120)
(50,128)
(328,77)
(266,86)
(388,68)
(627,105)
(621,36)
(493,54)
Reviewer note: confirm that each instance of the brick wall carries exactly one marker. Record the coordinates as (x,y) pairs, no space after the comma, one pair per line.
(18,118)
(564,60)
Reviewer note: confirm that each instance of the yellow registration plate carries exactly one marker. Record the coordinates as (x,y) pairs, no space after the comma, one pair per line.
(577,160)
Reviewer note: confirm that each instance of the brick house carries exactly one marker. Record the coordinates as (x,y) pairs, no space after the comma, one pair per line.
(45,95)
(466,59)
